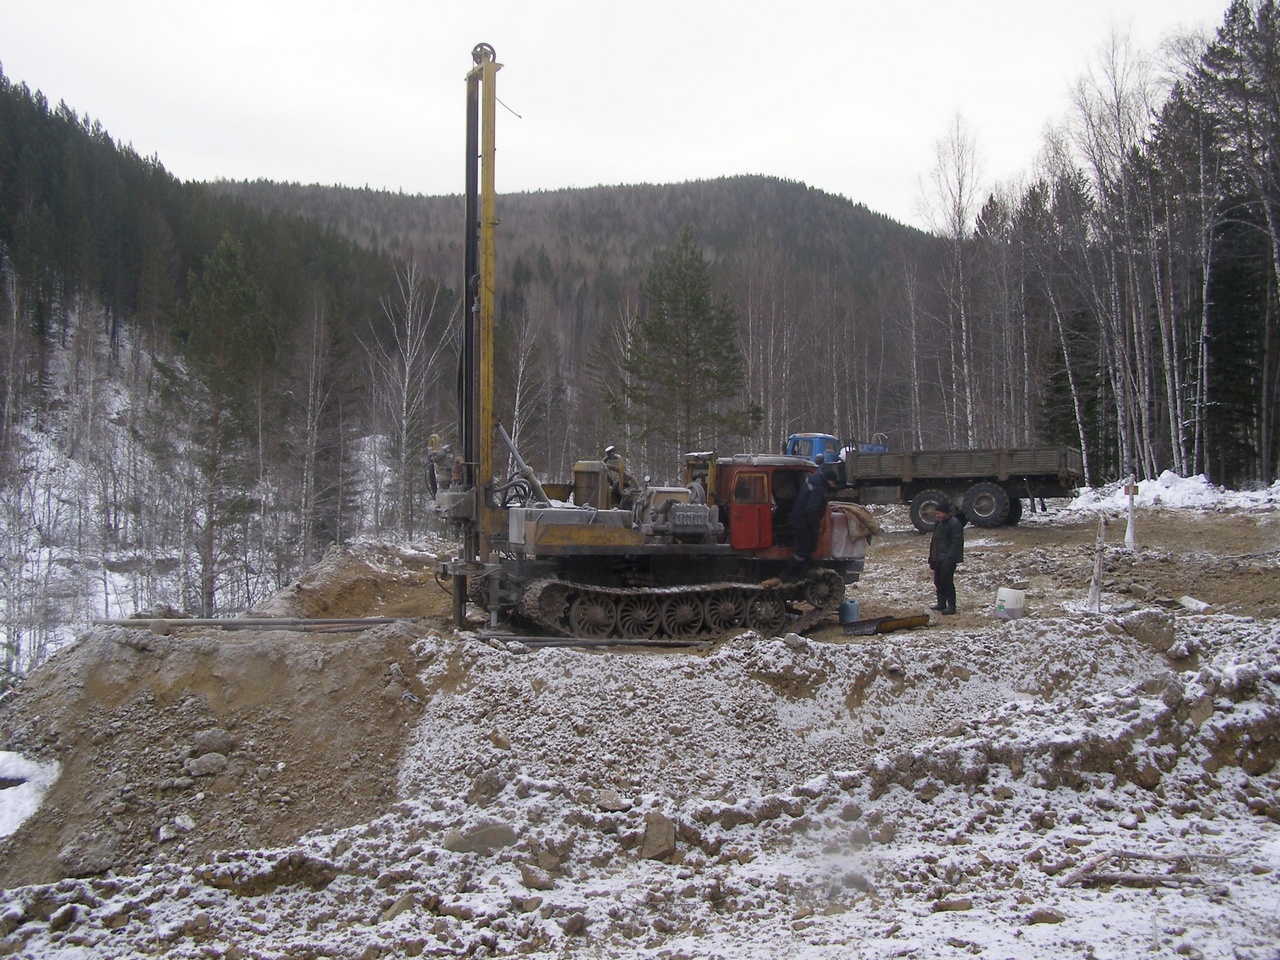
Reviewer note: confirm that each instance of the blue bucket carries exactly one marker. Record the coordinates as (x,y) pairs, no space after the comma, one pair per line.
(850,611)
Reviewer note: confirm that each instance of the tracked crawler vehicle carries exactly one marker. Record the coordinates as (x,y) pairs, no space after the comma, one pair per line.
(663,562)
(605,556)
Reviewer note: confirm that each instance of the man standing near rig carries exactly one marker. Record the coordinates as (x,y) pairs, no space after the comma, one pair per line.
(946,552)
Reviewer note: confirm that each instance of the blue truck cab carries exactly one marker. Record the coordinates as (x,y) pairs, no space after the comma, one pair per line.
(811,445)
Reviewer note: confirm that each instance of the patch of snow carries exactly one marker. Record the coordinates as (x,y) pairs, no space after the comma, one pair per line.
(1175,493)
(30,781)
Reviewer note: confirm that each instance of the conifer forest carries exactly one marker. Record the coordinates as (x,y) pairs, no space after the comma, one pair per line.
(203,386)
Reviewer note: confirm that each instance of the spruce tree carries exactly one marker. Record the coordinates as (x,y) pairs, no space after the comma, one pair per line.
(686,370)
(229,345)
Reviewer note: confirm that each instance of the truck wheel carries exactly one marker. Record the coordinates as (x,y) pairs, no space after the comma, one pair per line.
(986,504)
(1015,512)
(922,509)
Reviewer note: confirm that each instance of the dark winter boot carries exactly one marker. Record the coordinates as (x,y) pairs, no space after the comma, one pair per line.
(794,569)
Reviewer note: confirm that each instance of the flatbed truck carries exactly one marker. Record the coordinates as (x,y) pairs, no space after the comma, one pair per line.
(989,485)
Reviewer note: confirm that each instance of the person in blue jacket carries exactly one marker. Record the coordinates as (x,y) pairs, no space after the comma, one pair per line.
(946,552)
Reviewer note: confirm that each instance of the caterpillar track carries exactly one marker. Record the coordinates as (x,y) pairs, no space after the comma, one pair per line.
(680,614)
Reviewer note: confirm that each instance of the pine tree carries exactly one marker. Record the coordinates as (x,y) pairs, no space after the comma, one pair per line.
(229,345)
(1240,80)
(686,369)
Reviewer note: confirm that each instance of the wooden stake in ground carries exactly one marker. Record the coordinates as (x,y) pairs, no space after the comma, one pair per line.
(1095,589)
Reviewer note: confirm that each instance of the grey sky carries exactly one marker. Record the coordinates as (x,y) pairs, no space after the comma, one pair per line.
(848,97)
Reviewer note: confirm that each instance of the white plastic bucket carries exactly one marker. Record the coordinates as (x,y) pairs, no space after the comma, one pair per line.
(1009,603)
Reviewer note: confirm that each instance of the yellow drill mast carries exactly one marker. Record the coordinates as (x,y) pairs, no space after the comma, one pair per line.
(475,414)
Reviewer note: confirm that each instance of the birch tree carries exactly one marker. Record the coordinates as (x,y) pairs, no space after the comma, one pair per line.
(611,364)
(771,338)
(950,207)
(527,361)
(1112,104)
(912,321)
(1054,222)
(406,360)
(313,377)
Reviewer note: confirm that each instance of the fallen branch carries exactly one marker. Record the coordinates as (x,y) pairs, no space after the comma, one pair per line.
(1147,879)
(1175,857)
(1087,866)
(1086,870)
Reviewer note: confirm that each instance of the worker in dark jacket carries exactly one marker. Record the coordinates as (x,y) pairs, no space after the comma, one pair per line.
(806,517)
(946,552)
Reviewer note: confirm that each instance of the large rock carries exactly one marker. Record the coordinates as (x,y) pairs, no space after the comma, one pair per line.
(535,878)
(206,765)
(659,837)
(610,801)
(1152,627)
(215,740)
(483,837)
(90,854)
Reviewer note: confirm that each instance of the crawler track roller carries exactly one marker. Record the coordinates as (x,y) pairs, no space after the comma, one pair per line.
(680,614)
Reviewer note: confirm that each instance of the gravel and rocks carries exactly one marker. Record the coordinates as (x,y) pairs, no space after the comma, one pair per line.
(1063,784)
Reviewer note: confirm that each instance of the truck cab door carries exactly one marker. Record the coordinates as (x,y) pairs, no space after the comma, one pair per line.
(751,512)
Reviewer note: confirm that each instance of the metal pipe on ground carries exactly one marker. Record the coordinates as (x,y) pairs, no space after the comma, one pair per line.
(301,624)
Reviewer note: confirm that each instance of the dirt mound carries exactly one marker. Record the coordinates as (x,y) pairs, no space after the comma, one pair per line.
(376,580)
(175,746)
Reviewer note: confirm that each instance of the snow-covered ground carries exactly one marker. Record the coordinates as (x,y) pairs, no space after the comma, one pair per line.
(1176,493)
(1049,787)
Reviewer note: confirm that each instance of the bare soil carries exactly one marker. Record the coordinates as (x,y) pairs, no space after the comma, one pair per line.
(311,726)
(1229,560)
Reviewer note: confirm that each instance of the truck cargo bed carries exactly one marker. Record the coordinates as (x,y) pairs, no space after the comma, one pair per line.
(1063,463)
(989,484)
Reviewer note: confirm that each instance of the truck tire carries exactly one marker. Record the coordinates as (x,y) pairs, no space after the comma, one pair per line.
(1015,512)
(922,509)
(986,504)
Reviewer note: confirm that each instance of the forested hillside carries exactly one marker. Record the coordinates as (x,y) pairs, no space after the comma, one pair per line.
(814,278)
(184,395)
(204,385)
(1121,298)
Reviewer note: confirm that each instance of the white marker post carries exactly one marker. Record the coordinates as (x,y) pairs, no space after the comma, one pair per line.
(1131,534)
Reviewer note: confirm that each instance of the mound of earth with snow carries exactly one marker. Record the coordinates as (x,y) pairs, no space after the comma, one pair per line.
(271,733)
(1068,783)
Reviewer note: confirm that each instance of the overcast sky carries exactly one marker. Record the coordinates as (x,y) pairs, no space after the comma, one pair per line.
(849,97)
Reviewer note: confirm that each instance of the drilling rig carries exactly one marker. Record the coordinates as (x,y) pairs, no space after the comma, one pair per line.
(614,557)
